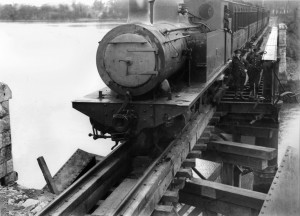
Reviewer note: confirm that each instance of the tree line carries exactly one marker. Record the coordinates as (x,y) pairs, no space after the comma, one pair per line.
(113,9)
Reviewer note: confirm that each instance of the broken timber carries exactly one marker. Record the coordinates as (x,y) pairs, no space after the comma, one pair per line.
(78,164)
(220,198)
(252,156)
(47,175)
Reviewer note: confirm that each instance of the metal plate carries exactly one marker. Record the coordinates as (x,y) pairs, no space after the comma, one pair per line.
(271,46)
(129,60)
(283,196)
(184,98)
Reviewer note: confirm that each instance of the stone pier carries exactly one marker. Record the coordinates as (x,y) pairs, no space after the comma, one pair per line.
(7,173)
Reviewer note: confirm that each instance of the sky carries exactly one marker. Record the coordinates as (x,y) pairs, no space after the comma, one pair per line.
(51,2)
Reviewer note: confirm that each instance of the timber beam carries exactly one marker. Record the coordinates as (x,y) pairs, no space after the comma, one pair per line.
(255,157)
(221,198)
(251,162)
(243,149)
(248,130)
(247,107)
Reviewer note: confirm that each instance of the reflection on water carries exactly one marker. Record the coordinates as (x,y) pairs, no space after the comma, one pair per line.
(49,65)
(289,131)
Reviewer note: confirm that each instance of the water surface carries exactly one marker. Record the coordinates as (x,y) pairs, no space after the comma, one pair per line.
(47,65)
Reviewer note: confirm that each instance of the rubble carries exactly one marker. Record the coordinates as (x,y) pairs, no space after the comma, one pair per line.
(17,200)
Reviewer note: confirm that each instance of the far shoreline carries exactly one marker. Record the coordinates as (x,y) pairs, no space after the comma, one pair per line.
(110,21)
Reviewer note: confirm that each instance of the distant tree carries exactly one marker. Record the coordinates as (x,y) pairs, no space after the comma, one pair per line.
(98,8)
(116,9)
(8,12)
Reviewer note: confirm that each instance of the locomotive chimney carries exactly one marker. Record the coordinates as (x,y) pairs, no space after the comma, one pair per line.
(139,11)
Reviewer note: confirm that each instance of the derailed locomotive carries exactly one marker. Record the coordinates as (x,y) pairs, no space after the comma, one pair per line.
(159,65)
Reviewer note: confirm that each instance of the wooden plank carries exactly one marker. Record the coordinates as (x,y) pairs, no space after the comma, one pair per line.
(225,193)
(243,149)
(227,174)
(200,147)
(191,162)
(199,174)
(184,209)
(115,197)
(79,163)
(47,175)
(254,163)
(209,213)
(164,210)
(210,170)
(195,212)
(283,196)
(178,183)
(204,139)
(194,154)
(213,205)
(170,196)
(246,130)
(237,177)
(187,173)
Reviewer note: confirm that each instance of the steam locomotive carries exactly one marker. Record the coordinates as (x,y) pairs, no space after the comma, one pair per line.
(159,66)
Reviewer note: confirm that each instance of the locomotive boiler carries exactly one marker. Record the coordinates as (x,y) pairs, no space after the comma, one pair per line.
(160,64)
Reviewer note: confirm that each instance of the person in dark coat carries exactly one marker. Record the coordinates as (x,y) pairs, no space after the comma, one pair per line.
(239,74)
(254,71)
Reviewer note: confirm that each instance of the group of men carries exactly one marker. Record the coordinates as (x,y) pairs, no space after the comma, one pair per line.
(247,68)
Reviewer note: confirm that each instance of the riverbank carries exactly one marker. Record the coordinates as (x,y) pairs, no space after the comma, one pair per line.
(92,20)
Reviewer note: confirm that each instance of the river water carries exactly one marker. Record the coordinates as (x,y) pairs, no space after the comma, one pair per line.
(47,65)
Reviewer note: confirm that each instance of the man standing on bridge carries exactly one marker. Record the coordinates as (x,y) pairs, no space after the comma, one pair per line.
(239,73)
(255,69)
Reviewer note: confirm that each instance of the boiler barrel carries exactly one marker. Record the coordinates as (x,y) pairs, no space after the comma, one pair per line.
(136,58)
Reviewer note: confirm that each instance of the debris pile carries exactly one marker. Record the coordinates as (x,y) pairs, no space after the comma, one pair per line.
(16,200)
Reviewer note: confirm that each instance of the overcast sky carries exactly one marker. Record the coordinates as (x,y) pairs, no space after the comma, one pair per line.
(51,2)
(41,2)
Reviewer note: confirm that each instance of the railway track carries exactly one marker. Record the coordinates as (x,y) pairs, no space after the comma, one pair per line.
(126,184)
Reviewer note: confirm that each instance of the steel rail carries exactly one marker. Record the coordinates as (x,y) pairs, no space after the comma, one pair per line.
(91,184)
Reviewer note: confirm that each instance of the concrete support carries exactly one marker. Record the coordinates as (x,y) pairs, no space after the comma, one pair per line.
(7,174)
(263,179)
